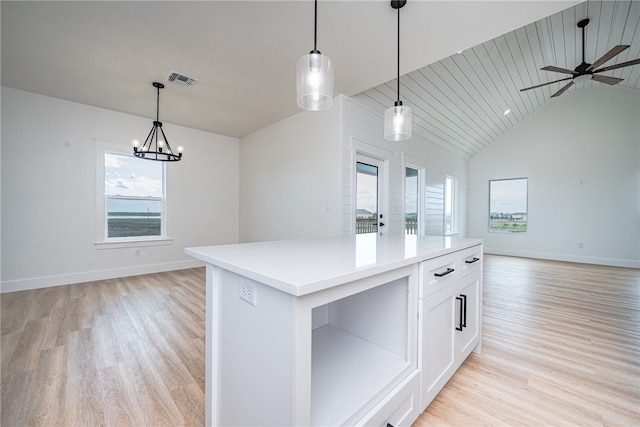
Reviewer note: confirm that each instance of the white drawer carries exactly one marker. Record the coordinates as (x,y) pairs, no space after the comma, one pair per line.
(470,260)
(437,273)
(399,408)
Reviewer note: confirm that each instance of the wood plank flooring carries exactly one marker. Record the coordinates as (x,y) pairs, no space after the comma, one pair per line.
(123,352)
(561,346)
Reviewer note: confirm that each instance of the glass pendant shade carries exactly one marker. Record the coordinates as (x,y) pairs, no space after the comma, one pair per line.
(314,82)
(397,122)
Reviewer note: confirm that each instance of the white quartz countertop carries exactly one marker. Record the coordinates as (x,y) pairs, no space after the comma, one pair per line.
(304,266)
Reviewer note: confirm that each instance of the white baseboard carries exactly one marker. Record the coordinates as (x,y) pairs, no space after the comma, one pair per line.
(614,262)
(90,276)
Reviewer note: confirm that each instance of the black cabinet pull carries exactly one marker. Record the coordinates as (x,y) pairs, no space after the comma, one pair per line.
(472,260)
(444,273)
(464,304)
(389,425)
(459,327)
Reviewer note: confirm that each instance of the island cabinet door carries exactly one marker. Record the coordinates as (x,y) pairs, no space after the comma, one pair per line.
(467,315)
(436,343)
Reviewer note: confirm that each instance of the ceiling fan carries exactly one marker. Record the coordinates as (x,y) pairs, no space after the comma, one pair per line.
(586,71)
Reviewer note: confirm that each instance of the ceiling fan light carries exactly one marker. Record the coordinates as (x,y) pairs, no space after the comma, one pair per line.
(398,122)
(314,82)
(582,78)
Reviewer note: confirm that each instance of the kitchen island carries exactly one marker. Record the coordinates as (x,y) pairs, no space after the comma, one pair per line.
(334,331)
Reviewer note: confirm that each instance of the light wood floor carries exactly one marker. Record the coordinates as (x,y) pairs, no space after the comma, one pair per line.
(561,347)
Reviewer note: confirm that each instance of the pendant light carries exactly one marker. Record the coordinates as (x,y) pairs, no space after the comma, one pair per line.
(314,76)
(397,119)
(156,147)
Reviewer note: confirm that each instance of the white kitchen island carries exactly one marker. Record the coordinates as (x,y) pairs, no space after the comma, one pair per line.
(332,331)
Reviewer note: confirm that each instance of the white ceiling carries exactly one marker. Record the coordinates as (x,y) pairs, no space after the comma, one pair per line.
(243,53)
(459,101)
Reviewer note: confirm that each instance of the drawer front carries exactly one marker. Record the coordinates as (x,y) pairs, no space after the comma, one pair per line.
(400,408)
(470,260)
(438,273)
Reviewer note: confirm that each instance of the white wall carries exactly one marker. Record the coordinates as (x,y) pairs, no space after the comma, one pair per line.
(581,154)
(289,178)
(49,193)
(296,175)
(364,132)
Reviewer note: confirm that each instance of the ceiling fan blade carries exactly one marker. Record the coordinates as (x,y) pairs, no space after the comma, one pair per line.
(606,79)
(544,84)
(616,66)
(607,56)
(558,69)
(562,90)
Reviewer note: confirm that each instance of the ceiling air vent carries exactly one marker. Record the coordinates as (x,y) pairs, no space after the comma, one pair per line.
(180,79)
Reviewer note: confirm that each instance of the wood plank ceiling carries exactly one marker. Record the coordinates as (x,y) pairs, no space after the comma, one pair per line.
(459,102)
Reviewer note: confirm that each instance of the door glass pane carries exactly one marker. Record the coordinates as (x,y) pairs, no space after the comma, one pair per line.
(411,201)
(367,198)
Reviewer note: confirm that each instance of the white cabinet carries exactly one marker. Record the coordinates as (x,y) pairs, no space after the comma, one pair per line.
(450,317)
(467,317)
(437,343)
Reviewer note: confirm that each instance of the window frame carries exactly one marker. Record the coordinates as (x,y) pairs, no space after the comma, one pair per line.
(104,242)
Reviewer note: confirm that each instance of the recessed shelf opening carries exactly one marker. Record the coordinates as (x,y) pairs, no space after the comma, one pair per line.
(359,351)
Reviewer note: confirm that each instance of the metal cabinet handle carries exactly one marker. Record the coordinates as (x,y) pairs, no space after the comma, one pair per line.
(444,273)
(471,261)
(459,327)
(464,303)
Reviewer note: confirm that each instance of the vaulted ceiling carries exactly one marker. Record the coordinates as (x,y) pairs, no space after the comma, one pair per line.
(459,102)
(243,55)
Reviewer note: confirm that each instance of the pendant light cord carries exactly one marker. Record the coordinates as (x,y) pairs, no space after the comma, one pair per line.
(315,26)
(398,54)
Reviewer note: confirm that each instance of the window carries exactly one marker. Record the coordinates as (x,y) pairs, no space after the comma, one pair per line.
(508,205)
(130,199)
(134,197)
(450,205)
(411,200)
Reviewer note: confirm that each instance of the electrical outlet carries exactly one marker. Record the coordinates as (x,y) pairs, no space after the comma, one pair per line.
(580,245)
(248,293)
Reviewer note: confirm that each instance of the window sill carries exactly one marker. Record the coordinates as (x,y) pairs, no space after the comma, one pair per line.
(119,244)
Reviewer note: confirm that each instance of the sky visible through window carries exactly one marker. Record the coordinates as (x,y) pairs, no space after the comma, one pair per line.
(129,176)
(508,196)
(367,187)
